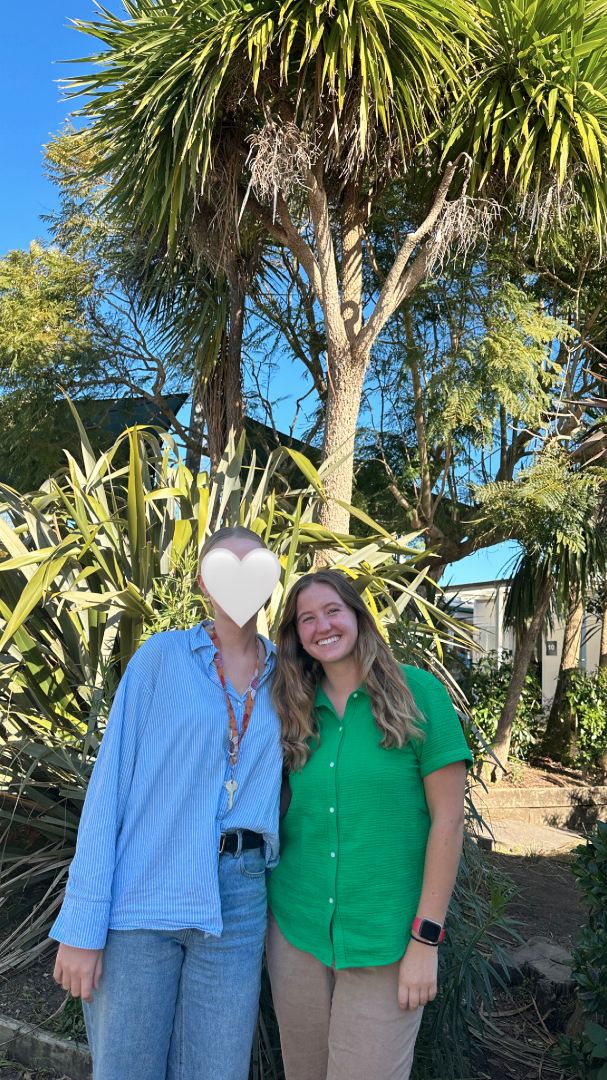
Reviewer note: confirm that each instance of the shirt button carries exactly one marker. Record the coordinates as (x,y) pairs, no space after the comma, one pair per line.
(331,809)
(332,854)
(331,900)
(340,728)
(355,695)
(331,764)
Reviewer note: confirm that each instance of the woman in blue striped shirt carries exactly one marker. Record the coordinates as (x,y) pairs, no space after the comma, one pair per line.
(164,916)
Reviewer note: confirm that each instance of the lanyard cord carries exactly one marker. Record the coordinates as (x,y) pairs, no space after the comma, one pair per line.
(235,737)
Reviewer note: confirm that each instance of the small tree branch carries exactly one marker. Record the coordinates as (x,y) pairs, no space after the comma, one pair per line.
(287,234)
(300,247)
(395,287)
(395,491)
(446,467)
(373,258)
(157,399)
(298,406)
(264,217)
(337,338)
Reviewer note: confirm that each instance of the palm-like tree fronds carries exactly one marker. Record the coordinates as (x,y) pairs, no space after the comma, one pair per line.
(552,509)
(535,118)
(180,87)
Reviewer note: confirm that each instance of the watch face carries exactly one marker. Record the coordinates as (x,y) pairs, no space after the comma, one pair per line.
(430,930)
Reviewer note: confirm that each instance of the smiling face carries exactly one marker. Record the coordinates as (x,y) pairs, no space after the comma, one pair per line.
(326,626)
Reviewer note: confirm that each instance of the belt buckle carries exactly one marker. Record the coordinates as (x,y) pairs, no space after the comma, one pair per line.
(222,842)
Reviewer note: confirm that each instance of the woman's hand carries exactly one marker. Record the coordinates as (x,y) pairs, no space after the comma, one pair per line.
(78,970)
(417,975)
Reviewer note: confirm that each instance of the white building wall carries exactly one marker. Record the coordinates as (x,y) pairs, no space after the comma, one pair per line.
(484,606)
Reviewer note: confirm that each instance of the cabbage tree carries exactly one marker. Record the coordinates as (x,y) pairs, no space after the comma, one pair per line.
(223,124)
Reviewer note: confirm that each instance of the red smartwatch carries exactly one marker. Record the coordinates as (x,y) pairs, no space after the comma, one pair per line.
(431,933)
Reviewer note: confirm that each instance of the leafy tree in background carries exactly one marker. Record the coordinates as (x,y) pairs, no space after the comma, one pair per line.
(467,389)
(223,127)
(45,338)
(173,330)
(553,507)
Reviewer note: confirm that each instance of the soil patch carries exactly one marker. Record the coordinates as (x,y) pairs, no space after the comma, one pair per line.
(521,1037)
(548,903)
(33,996)
(519,1040)
(547,773)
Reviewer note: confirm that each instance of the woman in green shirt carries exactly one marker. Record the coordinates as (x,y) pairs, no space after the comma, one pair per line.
(370,844)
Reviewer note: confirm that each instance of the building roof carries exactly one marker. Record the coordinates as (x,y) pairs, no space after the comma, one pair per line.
(493,584)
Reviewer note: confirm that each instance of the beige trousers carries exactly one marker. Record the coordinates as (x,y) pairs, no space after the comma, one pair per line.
(338,1025)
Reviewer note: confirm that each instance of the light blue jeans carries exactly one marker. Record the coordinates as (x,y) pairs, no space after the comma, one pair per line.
(182,1004)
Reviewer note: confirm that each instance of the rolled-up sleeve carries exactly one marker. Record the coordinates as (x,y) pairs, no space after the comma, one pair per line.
(84,916)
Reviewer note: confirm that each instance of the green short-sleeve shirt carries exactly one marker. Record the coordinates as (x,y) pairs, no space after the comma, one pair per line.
(353,842)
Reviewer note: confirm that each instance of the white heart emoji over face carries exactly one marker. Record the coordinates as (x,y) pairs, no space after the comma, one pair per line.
(240,586)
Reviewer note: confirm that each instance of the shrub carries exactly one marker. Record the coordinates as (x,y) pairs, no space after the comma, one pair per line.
(488,686)
(587,698)
(586,1055)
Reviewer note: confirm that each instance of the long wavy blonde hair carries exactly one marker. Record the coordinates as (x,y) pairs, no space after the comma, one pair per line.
(298,675)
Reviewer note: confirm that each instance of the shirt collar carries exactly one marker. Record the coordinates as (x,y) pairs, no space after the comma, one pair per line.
(322,701)
(199,639)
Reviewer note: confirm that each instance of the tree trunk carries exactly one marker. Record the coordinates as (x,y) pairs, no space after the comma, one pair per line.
(213,408)
(196,430)
(345,383)
(221,403)
(520,667)
(233,367)
(603,650)
(560,729)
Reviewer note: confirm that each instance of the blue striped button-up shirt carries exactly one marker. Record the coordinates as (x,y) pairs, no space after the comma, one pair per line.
(148,841)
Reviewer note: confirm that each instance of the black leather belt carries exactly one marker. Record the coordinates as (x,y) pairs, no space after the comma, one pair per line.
(228,842)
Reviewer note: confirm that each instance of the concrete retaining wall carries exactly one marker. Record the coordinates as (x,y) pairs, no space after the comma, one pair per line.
(571,808)
(30,1045)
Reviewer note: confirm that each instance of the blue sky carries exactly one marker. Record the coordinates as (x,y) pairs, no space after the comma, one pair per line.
(36,39)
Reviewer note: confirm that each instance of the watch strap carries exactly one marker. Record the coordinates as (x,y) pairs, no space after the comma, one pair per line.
(422,941)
